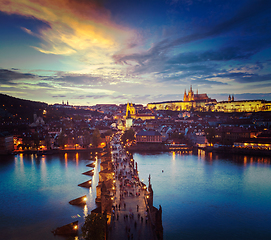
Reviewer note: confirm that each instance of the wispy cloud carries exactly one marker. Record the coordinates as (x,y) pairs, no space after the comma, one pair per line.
(73,26)
(160,51)
(9,76)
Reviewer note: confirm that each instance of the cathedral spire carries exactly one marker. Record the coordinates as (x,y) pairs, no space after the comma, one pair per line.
(185,96)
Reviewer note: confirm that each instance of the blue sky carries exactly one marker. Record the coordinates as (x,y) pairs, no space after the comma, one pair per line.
(93,51)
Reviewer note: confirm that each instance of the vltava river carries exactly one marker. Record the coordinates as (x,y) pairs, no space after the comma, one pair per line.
(36,190)
(202,197)
(210,197)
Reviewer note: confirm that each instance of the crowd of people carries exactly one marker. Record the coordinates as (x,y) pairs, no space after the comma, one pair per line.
(127,205)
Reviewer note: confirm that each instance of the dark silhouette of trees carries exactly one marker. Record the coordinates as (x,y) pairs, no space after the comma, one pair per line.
(86,139)
(96,137)
(94,227)
(210,134)
(62,140)
(128,135)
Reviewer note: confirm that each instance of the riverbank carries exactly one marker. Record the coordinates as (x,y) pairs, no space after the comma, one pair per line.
(239,151)
(55,151)
(161,147)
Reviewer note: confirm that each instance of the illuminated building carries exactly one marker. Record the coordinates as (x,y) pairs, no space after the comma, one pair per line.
(6,142)
(129,121)
(191,101)
(131,112)
(201,102)
(253,143)
(151,136)
(243,106)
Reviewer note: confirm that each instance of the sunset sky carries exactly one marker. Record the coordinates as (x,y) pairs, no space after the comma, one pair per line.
(114,51)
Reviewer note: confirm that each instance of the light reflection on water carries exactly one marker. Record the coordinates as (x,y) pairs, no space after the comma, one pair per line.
(36,190)
(207,196)
(203,196)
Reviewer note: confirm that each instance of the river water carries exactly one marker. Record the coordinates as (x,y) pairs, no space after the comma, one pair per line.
(202,196)
(210,197)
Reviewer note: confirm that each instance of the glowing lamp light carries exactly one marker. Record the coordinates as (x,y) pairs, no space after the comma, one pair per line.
(89,181)
(112,198)
(85,199)
(147,196)
(75,227)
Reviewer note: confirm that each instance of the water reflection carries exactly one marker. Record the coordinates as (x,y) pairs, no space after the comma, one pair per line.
(201,154)
(210,156)
(173,155)
(211,197)
(43,168)
(85,210)
(77,158)
(245,160)
(66,159)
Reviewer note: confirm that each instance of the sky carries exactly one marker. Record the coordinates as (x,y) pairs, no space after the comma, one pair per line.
(100,51)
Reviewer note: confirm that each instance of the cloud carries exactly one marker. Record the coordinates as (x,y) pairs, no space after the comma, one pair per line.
(82,79)
(159,51)
(223,54)
(96,96)
(44,85)
(74,26)
(241,77)
(242,96)
(8,76)
(59,96)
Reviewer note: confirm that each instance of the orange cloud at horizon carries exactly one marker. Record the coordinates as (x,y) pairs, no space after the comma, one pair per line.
(75,27)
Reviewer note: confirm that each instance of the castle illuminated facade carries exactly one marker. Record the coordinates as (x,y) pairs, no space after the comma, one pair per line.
(201,102)
(191,101)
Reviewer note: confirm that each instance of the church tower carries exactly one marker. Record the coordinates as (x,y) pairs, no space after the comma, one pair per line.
(191,94)
(185,97)
(130,110)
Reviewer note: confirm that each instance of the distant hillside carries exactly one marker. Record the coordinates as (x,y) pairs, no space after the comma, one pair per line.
(12,108)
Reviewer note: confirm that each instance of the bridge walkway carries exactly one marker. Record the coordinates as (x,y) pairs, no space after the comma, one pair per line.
(130,219)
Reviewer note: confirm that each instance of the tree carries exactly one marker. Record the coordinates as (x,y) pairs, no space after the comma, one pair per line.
(48,141)
(210,134)
(62,139)
(86,139)
(36,140)
(128,135)
(94,227)
(96,137)
(108,132)
(177,135)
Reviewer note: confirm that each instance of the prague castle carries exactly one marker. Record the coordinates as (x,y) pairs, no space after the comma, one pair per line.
(191,101)
(201,102)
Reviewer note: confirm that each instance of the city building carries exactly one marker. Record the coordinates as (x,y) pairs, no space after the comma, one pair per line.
(243,106)
(201,102)
(191,101)
(131,111)
(148,136)
(253,143)
(6,142)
